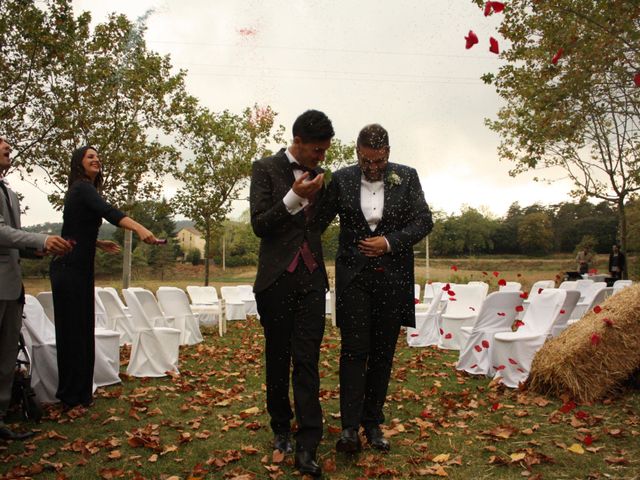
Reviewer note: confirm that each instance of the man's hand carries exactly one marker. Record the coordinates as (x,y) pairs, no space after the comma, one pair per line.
(57,245)
(308,188)
(373,246)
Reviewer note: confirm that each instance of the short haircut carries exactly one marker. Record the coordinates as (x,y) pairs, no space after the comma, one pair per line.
(313,126)
(373,136)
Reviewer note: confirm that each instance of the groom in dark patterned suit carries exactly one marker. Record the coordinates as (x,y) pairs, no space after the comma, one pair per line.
(383,213)
(291,282)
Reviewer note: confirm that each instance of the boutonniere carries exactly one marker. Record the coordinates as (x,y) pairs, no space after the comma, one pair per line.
(393,179)
(327,177)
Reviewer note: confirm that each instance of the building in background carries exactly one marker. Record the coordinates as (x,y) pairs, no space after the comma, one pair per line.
(190,238)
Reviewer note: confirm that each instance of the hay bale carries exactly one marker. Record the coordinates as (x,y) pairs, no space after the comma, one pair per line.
(593,356)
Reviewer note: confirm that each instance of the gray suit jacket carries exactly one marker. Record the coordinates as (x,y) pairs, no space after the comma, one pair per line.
(12,240)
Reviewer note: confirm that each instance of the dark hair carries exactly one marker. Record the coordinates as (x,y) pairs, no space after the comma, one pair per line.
(76,170)
(373,136)
(313,126)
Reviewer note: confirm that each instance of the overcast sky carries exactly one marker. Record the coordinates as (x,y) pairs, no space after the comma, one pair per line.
(399,63)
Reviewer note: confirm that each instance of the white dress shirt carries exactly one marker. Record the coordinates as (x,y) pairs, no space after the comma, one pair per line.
(292,201)
(372,203)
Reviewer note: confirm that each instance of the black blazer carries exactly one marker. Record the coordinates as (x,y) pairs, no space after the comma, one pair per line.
(281,234)
(406,220)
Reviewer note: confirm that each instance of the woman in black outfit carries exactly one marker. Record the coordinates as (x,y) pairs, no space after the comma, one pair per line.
(72,276)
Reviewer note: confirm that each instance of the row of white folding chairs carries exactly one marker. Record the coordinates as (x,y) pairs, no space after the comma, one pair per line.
(240,299)
(40,337)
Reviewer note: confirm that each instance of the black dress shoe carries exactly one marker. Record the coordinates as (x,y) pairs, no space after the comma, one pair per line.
(376,439)
(282,442)
(7,434)
(306,463)
(349,441)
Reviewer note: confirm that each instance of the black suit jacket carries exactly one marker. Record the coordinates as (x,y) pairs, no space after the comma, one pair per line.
(406,220)
(281,234)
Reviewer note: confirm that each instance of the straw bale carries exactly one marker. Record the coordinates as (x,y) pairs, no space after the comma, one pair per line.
(594,355)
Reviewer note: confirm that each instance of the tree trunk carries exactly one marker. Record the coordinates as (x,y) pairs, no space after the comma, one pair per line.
(622,226)
(207,247)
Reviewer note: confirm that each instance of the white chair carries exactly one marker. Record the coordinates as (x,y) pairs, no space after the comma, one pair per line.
(102,319)
(174,302)
(597,299)
(620,284)
(430,289)
(586,298)
(536,289)
(462,311)
(154,350)
(40,335)
(513,351)
(569,285)
(152,309)
(207,306)
(582,286)
(248,298)
(46,300)
(235,305)
(117,298)
(116,315)
(427,330)
(511,287)
(107,344)
(416,291)
(565,313)
(497,314)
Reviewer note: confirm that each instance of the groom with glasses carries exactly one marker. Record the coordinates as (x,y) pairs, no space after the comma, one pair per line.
(383,213)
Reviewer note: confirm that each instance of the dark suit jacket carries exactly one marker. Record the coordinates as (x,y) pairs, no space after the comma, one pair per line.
(281,234)
(406,220)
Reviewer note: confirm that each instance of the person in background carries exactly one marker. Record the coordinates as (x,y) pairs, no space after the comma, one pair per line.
(584,259)
(72,275)
(617,263)
(15,243)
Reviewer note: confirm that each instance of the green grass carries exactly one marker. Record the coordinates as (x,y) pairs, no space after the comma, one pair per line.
(204,424)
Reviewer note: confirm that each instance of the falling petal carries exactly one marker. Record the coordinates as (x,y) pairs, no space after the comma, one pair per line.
(493,46)
(497,7)
(454,268)
(597,309)
(519,308)
(471,39)
(540,290)
(595,339)
(512,361)
(477,348)
(496,274)
(524,295)
(557,56)
(502,282)
(608,322)
(502,314)
(448,336)
(636,79)
(485,344)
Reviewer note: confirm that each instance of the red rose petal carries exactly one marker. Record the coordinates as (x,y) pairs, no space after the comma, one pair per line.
(512,361)
(485,344)
(608,322)
(636,79)
(502,282)
(471,39)
(415,334)
(451,299)
(562,312)
(441,332)
(597,309)
(477,348)
(581,415)
(518,324)
(485,273)
(587,440)
(540,290)
(524,295)
(496,274)
(497,6)
(474,365)
(454,268)
(519,308)
(502,314)
(446,287)
(595,339)
(520,370)
(487,9)
(500,367)
(451,293)
(416,301)
(495,406)
(567,407)
(557,56)
(493,46)
(448,336)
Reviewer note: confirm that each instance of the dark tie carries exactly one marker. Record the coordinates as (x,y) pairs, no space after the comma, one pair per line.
(312,173)
(3,187)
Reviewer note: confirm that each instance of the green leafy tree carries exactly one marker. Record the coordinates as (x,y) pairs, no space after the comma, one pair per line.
(99,86)
(535,234)
(221,148)
(571,102)
(157,216)
(162,258)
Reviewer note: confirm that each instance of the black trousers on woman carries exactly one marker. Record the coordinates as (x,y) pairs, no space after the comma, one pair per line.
(74,309)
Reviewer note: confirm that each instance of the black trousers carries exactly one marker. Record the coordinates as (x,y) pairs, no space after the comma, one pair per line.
(292,313)
(74,309)
(369,331)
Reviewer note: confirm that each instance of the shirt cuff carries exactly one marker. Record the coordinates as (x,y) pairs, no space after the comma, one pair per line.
(388,244)
(44,244)
(294,202)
